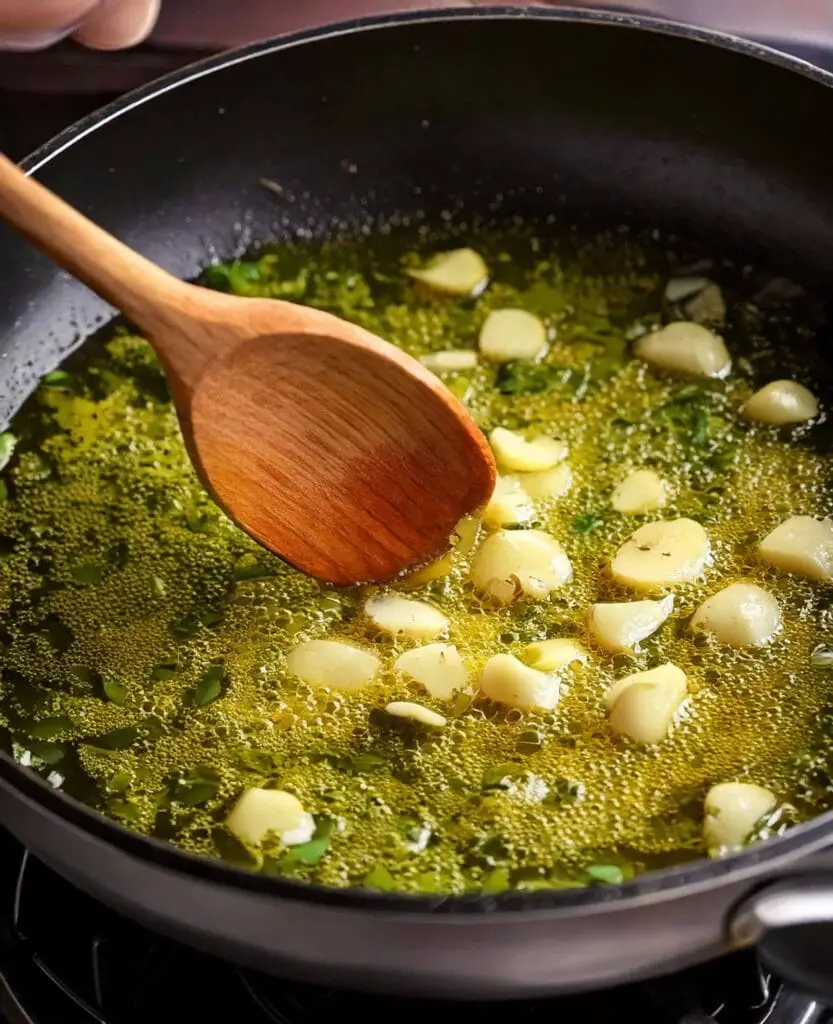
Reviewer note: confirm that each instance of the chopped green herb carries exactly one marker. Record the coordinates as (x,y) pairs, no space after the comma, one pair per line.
(500,776)
(57,380)
(249,568)
(379,878)
(114,691)
(311,853)
(117,739)
(86,573)
(198,787)
(164,670)
(367,761)
(261,761)
(496,880)
(8,443)
(584,524)
(210,686)
(610,874)
(523,378)
(125,809)
(49,753)
(157,587)
(119,782)
(529,741)
(49,728)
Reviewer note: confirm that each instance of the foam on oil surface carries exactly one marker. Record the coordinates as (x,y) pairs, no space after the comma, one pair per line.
(123,588)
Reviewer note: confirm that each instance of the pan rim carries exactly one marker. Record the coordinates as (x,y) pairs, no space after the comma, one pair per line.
(656,886)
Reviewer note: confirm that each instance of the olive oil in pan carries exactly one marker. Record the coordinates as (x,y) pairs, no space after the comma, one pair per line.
(145,638)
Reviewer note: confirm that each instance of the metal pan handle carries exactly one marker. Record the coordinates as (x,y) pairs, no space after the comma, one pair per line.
(790,920)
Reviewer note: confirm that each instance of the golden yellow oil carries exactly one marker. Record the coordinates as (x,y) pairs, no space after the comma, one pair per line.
(128,598)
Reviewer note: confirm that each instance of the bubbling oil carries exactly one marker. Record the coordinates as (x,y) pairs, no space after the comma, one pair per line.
(145,636)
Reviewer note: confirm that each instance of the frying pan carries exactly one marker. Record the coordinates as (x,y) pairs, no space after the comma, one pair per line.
(593,119)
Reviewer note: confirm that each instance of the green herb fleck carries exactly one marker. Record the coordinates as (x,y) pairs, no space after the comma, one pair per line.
(564,791)
(86,573)
(49,728)
(496,880)
(198,787)
(117,739)
(522,378)
(164,670)
(379,878)
(114,691)
(157,587)
(57,380)
(210,686)
(49,753)
(584,524)
(500,776)
(610,874)
(7,446)
(311,853)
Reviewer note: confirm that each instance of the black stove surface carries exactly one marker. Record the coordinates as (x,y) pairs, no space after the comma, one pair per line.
(65,959)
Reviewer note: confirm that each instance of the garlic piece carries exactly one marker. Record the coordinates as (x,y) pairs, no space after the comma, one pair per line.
(515,454)
(662,554)
(548,483)
(259,812)
(457,272)
(450,361)
(551,655)
(515,562)
(508,681)
(740,615)
(416,713)
(685,347)
(332,663)
(465,534)
(732,810)
(509,334)
(439,668)
(781,402)
(508,505)
(801,545)
(641,491)
(620,626)
(642,705)
(406,617)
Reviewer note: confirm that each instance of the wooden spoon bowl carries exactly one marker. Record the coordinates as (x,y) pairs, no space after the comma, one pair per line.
(329,446)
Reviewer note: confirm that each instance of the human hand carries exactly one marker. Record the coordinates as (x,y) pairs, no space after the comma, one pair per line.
(98,24)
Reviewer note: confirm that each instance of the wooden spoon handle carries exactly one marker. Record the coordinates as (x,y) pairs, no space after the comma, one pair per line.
(118,274)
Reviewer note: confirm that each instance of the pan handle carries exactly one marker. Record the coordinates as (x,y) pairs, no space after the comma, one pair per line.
(790,919)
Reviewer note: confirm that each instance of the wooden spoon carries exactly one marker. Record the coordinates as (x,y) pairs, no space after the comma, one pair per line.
(339,452)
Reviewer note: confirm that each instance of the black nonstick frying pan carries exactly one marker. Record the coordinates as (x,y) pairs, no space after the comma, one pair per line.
(598,119)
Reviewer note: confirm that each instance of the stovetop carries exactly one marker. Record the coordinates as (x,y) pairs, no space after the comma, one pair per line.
(65,959)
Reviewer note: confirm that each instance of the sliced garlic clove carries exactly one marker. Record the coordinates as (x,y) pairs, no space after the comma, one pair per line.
(439,668)
(662,554)
(451,361)
(641,491)
(261,812)
(466,534)
(781,402)
(509,504)
(680,288)
(548,483)
(708,306)
(552,655)
(402,616)
(740,615)
(515,454)
(458,272)
(801,545)
(687,348)
(509,334)
(619,626)
(512,563)
(508,681)
(333,664)
(642,706)
(732,810)
(415,713)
